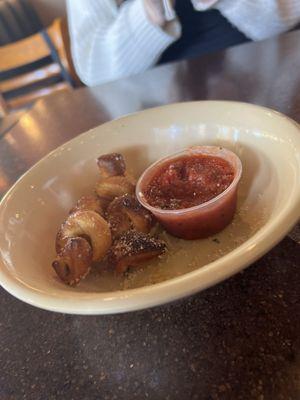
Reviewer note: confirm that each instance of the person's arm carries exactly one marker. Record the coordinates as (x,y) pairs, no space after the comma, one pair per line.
(109,42)
(260,19)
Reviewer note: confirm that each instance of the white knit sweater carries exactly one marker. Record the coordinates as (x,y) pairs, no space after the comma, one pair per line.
(110,42)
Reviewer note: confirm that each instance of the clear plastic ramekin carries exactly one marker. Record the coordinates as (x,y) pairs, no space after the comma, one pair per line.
(202,220)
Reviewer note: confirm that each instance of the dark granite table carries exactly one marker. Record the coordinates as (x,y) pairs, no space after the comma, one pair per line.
(237,340)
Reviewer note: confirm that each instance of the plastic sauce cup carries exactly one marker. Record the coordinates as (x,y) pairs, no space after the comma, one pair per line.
(202,220)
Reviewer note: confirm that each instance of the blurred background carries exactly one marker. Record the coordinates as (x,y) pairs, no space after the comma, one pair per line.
(35,58)
(48,10)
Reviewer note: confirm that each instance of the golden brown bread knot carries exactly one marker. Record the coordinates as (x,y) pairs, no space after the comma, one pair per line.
(86,236)
(133,248)
(114,186)
(114,181)
(125,213)
(90,202)
(89,225)
(73,263)
(112,164)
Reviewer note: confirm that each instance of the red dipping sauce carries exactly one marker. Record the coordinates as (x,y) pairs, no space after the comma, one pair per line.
(193,194)
(188,182)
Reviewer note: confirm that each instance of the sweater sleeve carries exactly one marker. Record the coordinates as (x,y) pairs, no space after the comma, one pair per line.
(109,42)
(260,19)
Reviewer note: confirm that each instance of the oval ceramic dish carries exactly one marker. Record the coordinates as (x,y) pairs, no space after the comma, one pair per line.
(268,144)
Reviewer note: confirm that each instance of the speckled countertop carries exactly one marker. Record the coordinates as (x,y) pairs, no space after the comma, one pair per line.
(237,340)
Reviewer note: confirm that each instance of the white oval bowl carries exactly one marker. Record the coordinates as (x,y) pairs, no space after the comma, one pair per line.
(267,142)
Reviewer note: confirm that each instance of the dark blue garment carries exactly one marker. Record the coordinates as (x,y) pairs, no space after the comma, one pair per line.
(202,32)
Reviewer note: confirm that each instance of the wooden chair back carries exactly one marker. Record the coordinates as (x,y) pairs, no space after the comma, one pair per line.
(36,66)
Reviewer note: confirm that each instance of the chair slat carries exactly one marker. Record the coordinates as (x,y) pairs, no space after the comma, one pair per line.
(38,75)
(23,52)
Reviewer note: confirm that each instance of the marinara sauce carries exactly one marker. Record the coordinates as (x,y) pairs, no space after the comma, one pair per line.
(188,181)
(179,190)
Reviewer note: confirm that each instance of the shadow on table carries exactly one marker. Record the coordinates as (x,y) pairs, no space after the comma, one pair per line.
(8,121)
